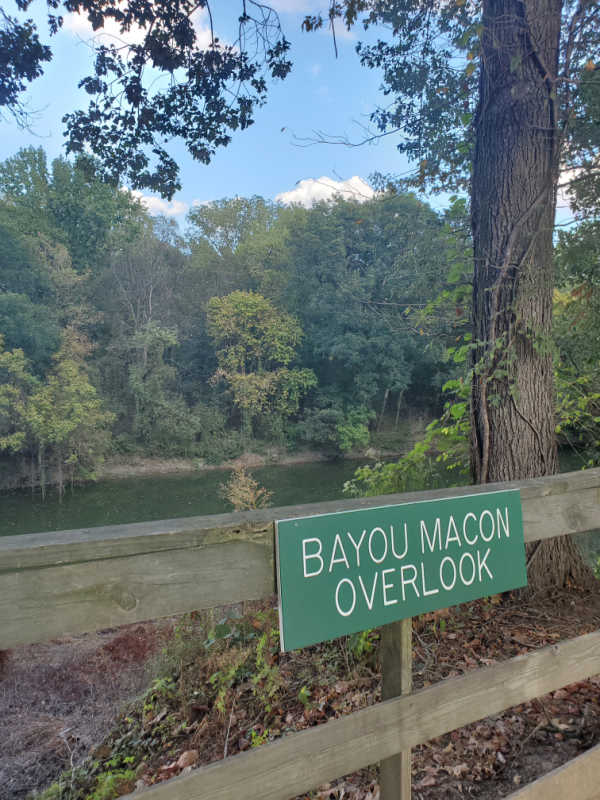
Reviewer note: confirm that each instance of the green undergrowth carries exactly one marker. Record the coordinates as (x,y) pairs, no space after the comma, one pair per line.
(222,686)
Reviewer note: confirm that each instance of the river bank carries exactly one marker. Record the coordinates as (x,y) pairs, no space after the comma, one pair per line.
(17,476)
(139,466)
(133,488)
(21,473)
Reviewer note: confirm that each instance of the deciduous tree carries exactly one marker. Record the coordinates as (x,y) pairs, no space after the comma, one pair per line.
(485,95)
(69,428)
(255,343)
(212,90)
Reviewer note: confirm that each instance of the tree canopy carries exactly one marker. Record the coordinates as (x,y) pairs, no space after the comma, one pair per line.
(255,344)
(258,324)
(211,89)
(501,96)
(431,66)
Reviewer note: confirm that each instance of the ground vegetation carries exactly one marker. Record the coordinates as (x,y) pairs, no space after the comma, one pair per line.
(222,687)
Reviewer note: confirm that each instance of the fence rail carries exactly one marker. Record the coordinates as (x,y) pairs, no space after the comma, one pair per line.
(84,580)
(76,581)
(301,761)
(577,779)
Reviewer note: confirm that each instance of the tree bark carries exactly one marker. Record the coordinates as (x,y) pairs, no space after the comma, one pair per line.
(398,407)
(42,470)
(60,476)
(515,177)
(386,394)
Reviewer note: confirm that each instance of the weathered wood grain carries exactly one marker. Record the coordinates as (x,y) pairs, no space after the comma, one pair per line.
(578,779)
(301,761)
(396,666)
(199,570)
(76,581)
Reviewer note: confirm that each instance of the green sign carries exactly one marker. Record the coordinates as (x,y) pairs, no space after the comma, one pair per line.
(346,572)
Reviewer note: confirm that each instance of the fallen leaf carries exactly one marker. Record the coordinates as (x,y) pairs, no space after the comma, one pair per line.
(187,759)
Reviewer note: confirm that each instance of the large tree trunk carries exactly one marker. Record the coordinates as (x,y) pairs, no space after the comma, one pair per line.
(515,175)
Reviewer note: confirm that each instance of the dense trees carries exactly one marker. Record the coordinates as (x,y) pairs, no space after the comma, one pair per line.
(261,323)
(500,95)
(58,422)
(64,417)
(495,94)
(577,338)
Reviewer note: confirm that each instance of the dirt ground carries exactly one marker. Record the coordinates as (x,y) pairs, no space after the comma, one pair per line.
(60,698)
(60,701)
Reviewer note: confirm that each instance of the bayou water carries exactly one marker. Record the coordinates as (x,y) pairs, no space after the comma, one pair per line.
(119,501)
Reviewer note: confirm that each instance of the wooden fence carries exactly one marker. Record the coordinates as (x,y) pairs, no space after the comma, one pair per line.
(76,581)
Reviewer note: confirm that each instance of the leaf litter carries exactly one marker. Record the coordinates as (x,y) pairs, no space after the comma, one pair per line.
(222,687)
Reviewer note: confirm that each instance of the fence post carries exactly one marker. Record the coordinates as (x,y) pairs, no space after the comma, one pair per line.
(396,666)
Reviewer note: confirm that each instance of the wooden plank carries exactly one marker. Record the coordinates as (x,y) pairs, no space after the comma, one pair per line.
(574,511)
(580,512)
(396,664)
(301,761)
(41,550)
(205,571)
(578,779)
(76,581)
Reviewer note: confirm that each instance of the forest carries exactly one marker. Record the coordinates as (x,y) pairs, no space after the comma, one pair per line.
(259,325)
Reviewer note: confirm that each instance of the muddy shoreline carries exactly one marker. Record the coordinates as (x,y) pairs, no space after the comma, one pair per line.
(17,473)
(16,477)
(141,466)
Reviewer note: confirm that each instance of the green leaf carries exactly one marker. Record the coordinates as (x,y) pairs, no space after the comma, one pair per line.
(458,410)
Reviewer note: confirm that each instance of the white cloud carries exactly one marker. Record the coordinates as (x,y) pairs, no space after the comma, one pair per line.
(201,22)
(78,24)
(157,206)
(564,196)
(297,6)
(314,190)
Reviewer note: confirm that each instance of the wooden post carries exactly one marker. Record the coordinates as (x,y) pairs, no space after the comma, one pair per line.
(396,666)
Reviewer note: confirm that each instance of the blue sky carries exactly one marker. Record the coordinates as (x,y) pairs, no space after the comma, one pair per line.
(322,94)
(325,94)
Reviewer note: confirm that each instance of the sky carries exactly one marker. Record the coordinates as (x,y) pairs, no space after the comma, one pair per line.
(323,94)
(274,158)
